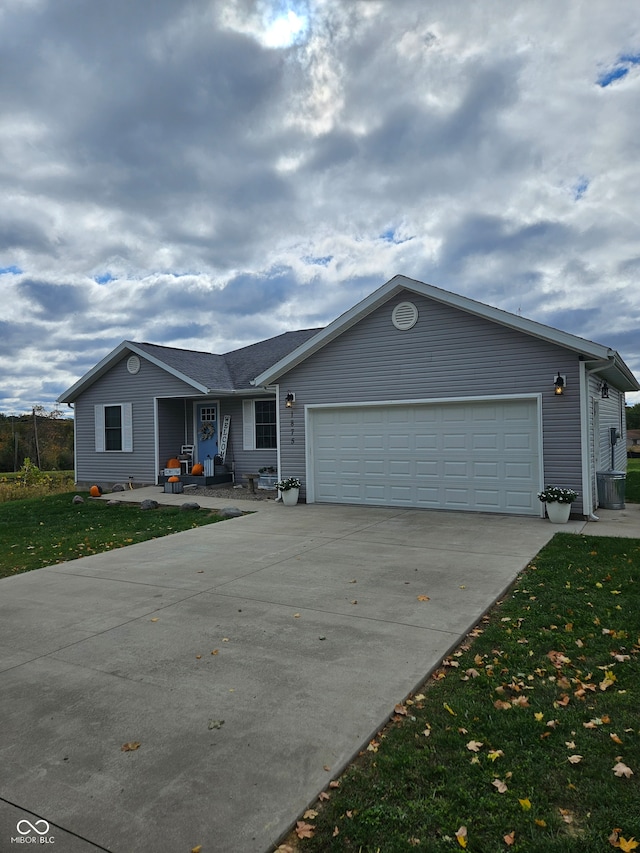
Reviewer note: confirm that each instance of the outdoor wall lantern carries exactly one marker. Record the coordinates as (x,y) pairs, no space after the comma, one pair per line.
(559,384)
(290,399)
(604,390)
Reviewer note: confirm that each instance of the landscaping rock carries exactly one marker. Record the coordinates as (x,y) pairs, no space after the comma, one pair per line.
(149,504)
(118,487)
(78,499)
(189,506)
(230,512)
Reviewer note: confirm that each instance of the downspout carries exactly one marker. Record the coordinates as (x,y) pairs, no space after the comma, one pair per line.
(585,418)
(588,476)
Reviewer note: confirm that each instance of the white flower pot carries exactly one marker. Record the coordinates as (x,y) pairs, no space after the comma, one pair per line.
(290,497)
(558,513)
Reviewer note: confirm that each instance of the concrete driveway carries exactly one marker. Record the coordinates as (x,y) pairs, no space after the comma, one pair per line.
(251,659)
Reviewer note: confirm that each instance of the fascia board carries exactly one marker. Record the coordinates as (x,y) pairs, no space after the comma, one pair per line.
(333,330)
(107,363)
(586,348)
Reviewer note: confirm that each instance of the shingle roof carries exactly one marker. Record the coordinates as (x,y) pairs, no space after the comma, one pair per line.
(234,370)
(205,368)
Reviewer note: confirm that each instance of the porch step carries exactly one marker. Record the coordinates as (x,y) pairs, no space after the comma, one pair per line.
(190,480)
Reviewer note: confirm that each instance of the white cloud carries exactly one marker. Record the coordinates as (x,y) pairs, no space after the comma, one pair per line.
(230,170)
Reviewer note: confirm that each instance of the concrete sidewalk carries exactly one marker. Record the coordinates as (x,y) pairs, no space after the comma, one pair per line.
(251,659)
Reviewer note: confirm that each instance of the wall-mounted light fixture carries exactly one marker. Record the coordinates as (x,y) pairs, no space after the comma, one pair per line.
(604,391)
(290,399)
(559,384)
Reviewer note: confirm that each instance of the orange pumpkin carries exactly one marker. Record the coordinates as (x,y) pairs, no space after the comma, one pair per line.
(198,469)
(173,479)
(173,463)
(95,491)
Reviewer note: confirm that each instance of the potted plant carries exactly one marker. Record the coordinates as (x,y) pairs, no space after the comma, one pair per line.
(558,503)
(267,477)
(289,489)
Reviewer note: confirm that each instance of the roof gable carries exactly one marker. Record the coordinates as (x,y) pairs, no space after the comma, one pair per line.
(206,372)
(609,363)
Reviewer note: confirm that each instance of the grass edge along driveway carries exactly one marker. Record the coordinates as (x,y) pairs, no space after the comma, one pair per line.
(44,531)
(527,738)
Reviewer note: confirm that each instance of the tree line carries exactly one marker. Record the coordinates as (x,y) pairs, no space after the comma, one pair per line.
(44,437)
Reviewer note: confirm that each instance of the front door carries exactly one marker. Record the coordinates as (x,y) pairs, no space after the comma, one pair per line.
(206,433)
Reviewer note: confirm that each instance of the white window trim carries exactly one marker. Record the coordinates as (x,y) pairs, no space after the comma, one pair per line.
(249,424)
(126,420)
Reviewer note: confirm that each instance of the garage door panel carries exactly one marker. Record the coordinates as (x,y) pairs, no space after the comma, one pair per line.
(473,456)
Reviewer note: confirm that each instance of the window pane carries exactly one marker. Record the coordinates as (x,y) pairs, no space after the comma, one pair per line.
(112,428)
(265,424)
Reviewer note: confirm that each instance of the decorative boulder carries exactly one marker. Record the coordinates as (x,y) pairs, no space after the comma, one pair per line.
(230,512)
(149,504)
(118,487)
(189,506)
(78,499)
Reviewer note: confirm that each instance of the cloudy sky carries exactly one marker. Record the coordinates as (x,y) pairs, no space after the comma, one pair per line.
(209,173)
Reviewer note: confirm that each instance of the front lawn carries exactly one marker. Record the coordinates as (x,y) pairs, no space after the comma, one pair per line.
(632,493)
(526,739)
(42,531)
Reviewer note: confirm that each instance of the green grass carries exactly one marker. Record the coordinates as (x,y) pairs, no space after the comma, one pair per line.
(632,493)
(42,531)
(580,598)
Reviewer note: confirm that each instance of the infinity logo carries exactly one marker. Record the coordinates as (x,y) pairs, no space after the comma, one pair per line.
(32,827)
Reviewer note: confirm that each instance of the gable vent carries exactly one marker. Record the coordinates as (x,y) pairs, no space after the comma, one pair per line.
(405,316)
(133,364)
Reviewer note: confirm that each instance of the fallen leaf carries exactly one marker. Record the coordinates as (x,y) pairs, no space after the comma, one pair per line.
(449,709)
(539,716)
(520,701)
(400,709)
(131,746)
(461,835)
(566,815)
(225,639)
(198,657)
(326,767)
(540,822)
(216,724)
(335,783)
(310,814)
(323,796)
(501,705)
(335,831)
(574,759)
(621,769)
(614,737)
(474,745)
(155,619)
(373,746)
(510,839)
(295,616)
(526,804)
(215,651)
(423,598)
(628,844)
(198,848)
(355,601)
(304,830)
(414,842)
(569,744)
(499,785)
(495,753)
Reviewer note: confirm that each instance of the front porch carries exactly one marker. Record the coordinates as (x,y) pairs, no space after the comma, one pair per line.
(219,476)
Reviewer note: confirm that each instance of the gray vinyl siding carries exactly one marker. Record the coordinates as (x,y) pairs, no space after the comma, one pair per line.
(119,386)
(447,354)
(244,461)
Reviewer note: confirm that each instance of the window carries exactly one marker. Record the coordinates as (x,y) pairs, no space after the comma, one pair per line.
(259,431)
(265,411)
(113,428)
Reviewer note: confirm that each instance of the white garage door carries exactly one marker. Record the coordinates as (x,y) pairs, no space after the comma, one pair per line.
(481,456)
